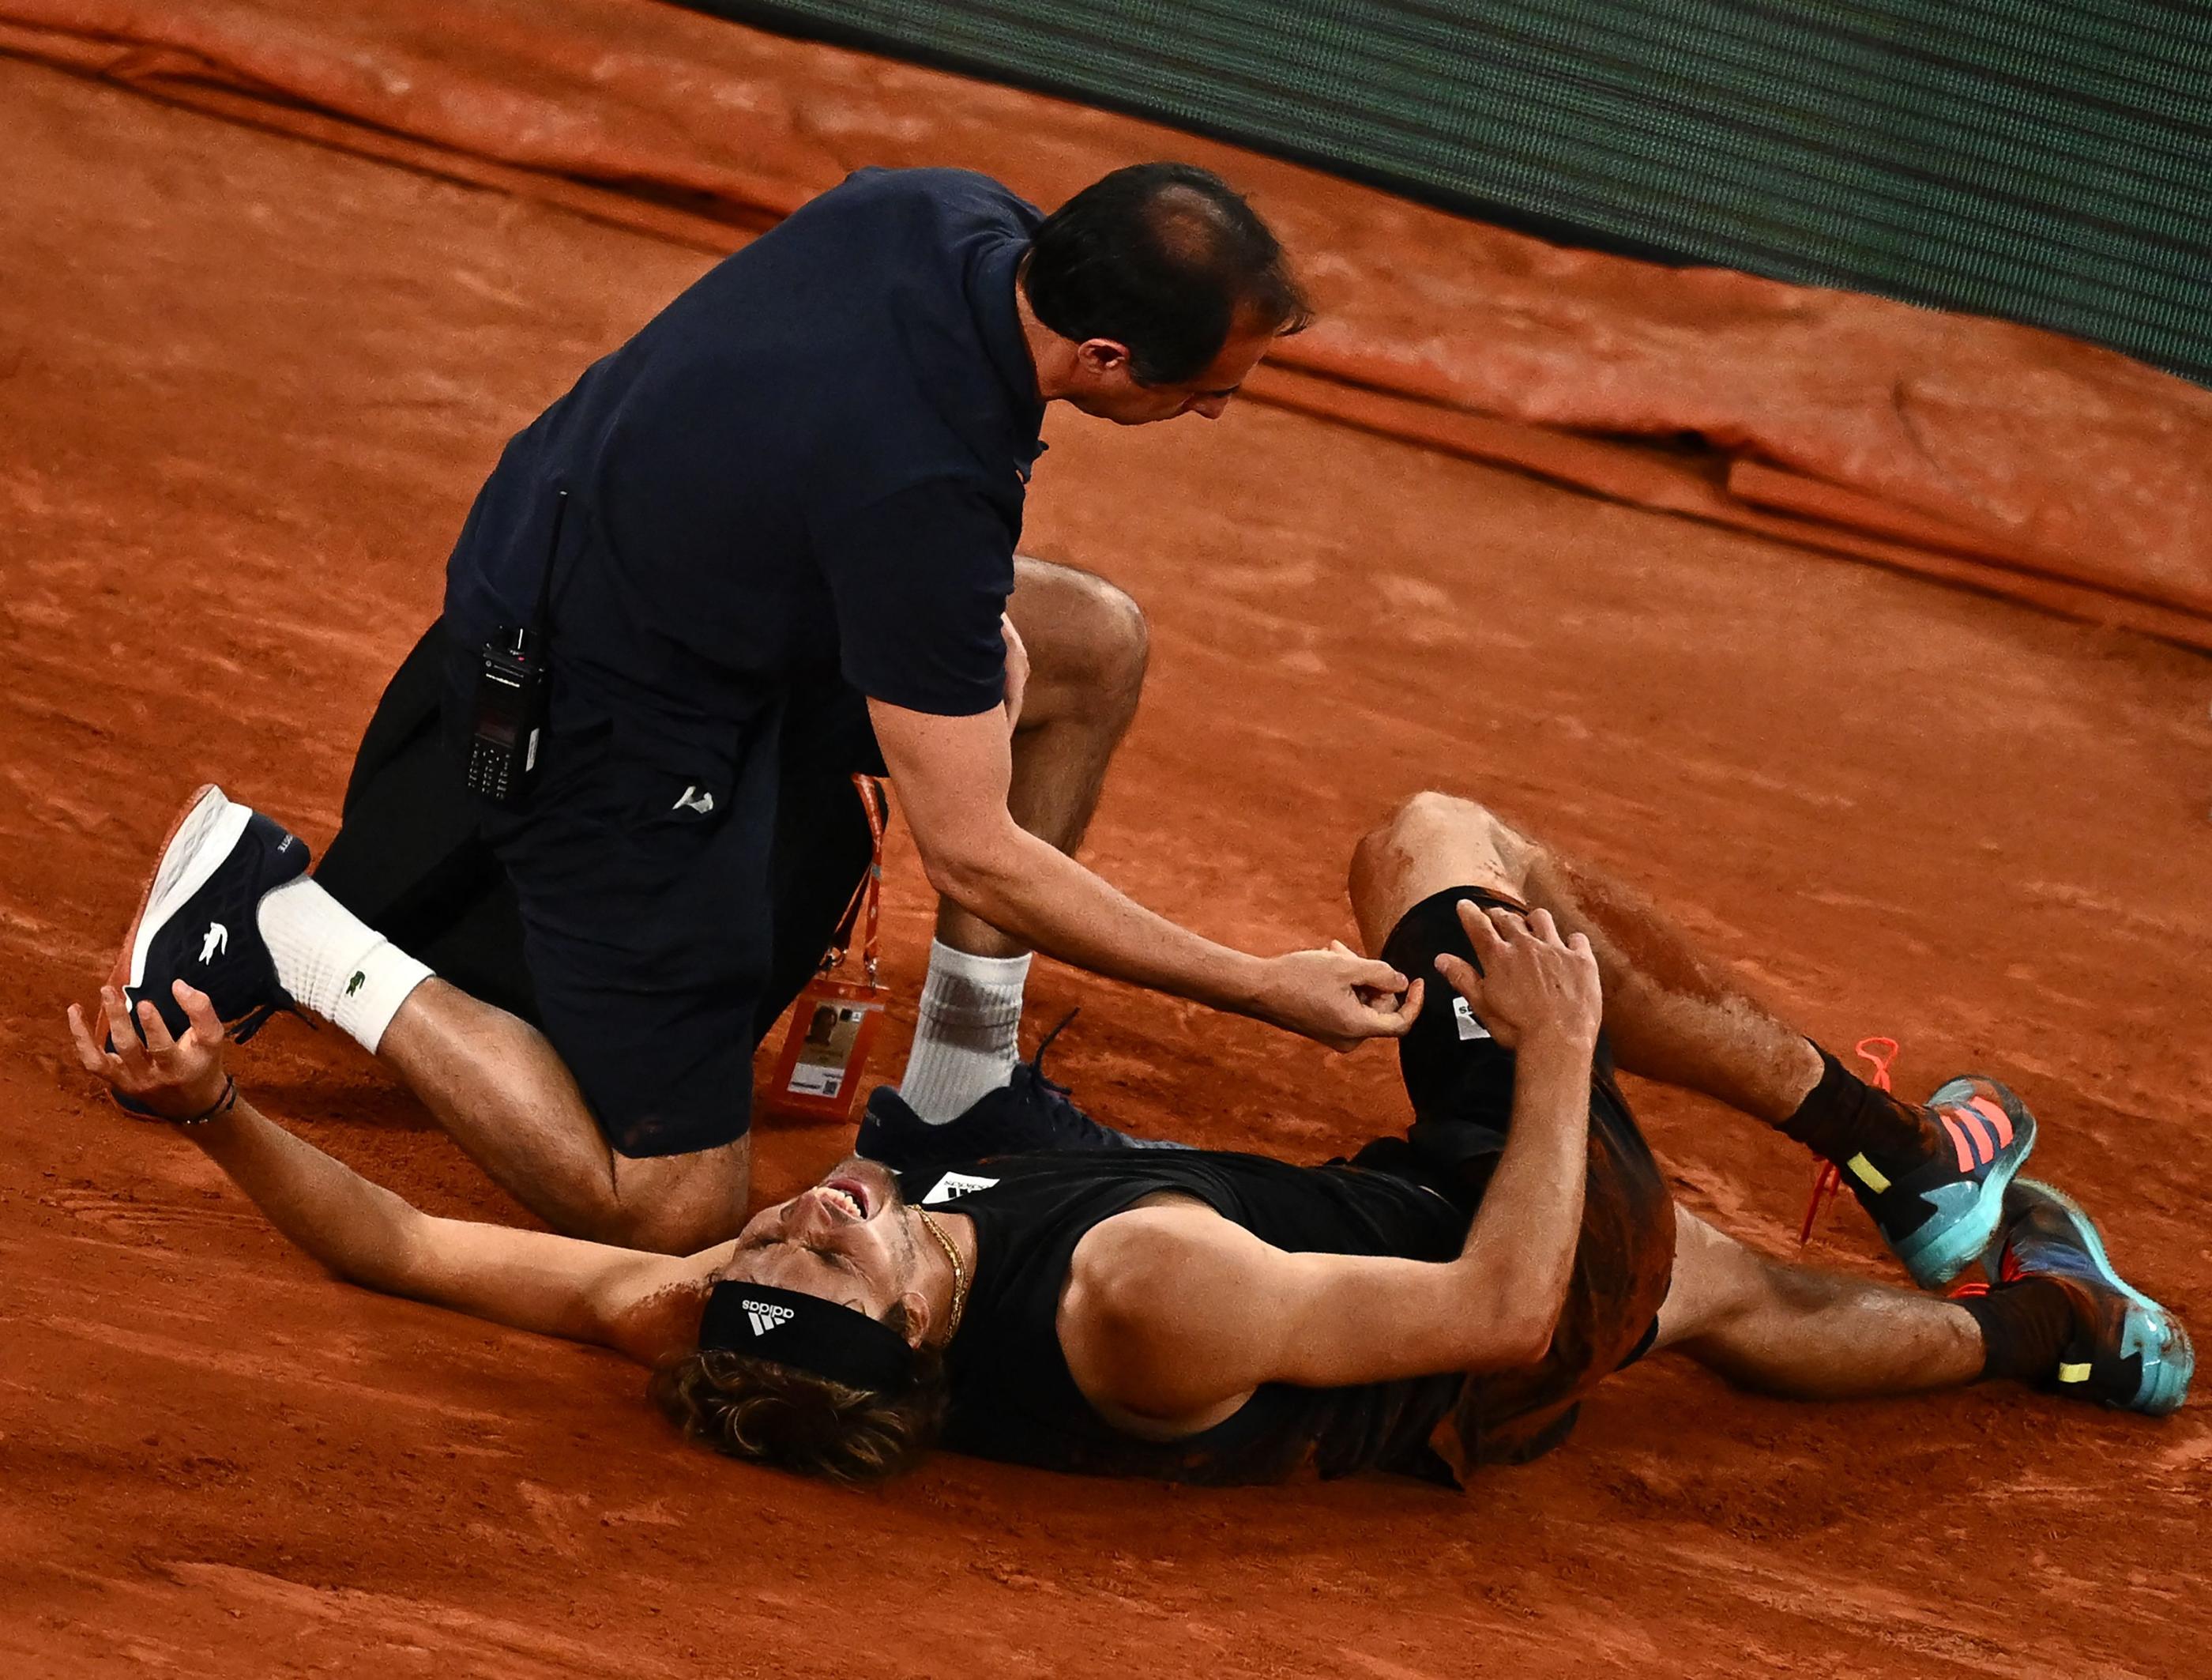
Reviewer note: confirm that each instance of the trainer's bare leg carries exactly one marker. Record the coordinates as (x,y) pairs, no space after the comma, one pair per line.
(1805,1333)
(503,1094)
(1087,648)
(1086,644)
(1670,1014)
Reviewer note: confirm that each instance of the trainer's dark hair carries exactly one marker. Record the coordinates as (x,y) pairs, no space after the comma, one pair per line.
(1164,258)
(771,1413)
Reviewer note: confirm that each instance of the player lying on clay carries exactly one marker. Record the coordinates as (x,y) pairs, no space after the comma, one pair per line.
(1443,1301)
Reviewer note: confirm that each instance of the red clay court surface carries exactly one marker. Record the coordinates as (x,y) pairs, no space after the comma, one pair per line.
(246,388)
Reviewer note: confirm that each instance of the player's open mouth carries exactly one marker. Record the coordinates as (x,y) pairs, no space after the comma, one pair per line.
(849,1194)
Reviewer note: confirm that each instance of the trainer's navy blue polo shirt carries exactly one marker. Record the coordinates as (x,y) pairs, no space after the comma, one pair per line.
(811,465)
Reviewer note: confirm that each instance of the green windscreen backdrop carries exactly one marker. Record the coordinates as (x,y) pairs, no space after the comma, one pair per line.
(2042,162)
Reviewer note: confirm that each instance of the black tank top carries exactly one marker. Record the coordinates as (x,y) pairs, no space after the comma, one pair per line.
(1013,1397)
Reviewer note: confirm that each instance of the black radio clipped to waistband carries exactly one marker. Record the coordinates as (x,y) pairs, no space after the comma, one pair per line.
(512,688)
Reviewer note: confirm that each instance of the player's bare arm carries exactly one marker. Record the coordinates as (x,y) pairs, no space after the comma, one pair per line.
(1173,1314)
(640,1304)
(952,775)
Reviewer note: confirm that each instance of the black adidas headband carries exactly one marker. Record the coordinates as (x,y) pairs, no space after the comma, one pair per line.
(806,1333)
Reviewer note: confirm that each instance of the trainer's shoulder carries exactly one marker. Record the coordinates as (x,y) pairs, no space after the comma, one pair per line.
(944,196)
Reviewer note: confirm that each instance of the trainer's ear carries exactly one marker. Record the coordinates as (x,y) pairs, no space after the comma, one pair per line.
(1103,357)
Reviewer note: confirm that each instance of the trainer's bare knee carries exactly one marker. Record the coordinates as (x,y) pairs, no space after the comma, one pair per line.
(1087,642)
(675,1204)
(1433,842)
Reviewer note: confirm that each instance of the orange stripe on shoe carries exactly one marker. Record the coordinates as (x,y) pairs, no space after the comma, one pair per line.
(1979,1133)
(1959,1143)
(1999,1121)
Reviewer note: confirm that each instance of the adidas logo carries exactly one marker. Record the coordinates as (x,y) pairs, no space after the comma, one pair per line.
(1979,1130)
(766,1315)
(954,1185)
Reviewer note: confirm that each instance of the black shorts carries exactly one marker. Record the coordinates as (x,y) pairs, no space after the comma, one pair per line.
(663,898)
(1461,1082)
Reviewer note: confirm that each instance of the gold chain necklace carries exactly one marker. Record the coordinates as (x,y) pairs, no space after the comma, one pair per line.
(959,1272)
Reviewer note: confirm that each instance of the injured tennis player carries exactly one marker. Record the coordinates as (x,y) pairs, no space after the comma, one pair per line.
(1441,1300)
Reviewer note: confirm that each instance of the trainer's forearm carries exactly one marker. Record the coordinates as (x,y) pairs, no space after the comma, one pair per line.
(360,1231)
(1520,1250)
(1031,891)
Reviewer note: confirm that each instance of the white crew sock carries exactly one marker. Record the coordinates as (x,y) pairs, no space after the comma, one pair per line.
(334,964)
(966,1033)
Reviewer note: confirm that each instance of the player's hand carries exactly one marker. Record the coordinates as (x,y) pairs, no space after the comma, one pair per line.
(1338,996)
(1017,669)
(176,1078)
(1533,986)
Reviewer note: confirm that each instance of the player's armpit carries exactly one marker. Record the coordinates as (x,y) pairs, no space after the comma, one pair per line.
(638,1304)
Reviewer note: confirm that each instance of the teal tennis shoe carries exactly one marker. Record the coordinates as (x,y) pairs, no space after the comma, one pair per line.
(1940,1213)
(2127,1351)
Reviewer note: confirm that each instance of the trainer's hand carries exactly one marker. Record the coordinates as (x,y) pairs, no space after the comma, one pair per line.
(1338,996)
(1017,669)
(177,1078)
(1534,985)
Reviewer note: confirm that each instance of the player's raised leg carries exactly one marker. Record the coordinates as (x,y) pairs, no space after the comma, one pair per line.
(1932,1176)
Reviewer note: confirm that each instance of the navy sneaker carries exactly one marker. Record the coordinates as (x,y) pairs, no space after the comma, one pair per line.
(2127,1351)
(198,921)
(1940,1215)
(1028,1115)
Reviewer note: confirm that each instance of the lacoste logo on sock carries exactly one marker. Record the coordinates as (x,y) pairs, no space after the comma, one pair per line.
(695,799)
(766,1315)
(214,942)
(353,984)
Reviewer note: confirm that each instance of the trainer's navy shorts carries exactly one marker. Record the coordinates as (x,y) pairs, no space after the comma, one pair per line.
(1461,1082)
(661,899)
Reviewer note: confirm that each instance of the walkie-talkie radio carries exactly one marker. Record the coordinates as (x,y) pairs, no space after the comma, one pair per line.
(513,687)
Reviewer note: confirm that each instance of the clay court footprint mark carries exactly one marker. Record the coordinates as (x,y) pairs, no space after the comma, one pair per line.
(120,1217)
(558,1515)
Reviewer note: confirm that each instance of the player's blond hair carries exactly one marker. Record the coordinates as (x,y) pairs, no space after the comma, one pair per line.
(770,1414)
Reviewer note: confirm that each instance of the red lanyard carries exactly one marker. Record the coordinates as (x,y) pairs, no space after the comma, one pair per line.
(868,895)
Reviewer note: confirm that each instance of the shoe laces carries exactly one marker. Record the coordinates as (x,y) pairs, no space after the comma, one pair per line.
(1878,1053)
(1055,1099)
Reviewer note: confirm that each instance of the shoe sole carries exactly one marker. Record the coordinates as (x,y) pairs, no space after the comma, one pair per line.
(203,836)
(1939,1256)
(2177,1361)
